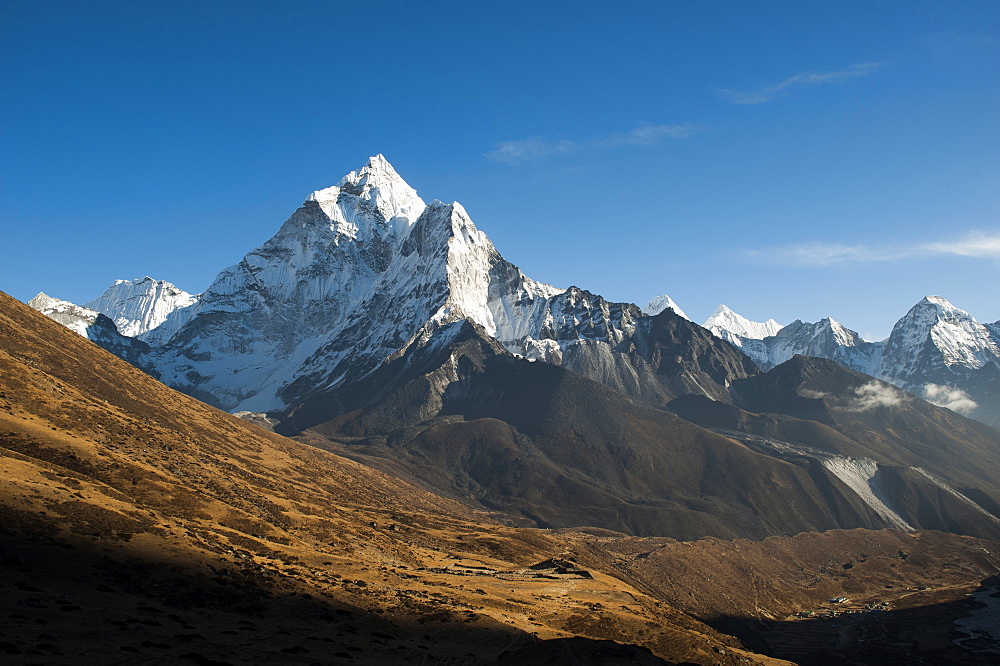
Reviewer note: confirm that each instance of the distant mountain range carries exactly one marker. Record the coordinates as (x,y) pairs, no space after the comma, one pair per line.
(392,331)
(936,351)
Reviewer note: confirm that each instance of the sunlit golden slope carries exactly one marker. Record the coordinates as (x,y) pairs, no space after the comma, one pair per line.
(138,523)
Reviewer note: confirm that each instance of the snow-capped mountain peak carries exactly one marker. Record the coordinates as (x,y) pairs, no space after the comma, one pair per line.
(960,341)
(660,303)
(353,275)
(724,319)
(92,325)
(74,317)
(841,334)
(378,185)
(144,308)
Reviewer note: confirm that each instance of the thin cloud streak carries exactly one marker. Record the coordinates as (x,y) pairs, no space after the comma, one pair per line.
(768,93)
(648,135)
(977,244)
(821,255)
(525,150)
(536,148)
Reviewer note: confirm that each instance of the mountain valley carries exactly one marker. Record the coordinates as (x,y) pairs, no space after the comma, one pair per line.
(431,455)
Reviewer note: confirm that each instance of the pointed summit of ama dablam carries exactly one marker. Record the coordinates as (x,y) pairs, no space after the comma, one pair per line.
(360,270)
(378,185)
(365,271)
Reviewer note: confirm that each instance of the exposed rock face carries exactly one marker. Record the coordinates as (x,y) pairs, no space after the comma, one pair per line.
(540,442)
(889,445)
(457,413)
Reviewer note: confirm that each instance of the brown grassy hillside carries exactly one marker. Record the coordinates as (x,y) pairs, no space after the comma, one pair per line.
(139,524)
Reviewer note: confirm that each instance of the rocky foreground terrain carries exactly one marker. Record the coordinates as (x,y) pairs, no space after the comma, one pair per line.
(138,524)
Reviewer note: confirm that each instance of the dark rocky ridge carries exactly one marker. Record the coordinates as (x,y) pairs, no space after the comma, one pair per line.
(461,416)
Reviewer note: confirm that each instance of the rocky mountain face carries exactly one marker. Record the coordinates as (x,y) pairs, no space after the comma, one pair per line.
(148,309)
(534,440)
(936,351)
(459,414)
(883,442)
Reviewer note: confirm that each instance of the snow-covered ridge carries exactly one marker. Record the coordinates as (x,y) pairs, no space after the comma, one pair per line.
(955,338)
(934,351)
(74,317)
(145,308)
(723,320)
(952,337)
(826,338)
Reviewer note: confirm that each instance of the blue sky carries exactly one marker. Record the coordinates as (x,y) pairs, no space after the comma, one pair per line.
(790,159)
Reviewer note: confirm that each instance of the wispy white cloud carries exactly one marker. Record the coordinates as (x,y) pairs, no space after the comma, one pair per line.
(865,397)
(648,135)
(535,148)
(949,397)
(974,244)
(978,244)
(525,150)
(820,254)
(872,395)
(804,79)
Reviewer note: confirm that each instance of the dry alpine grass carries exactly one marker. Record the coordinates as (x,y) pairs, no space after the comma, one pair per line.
(140,524)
